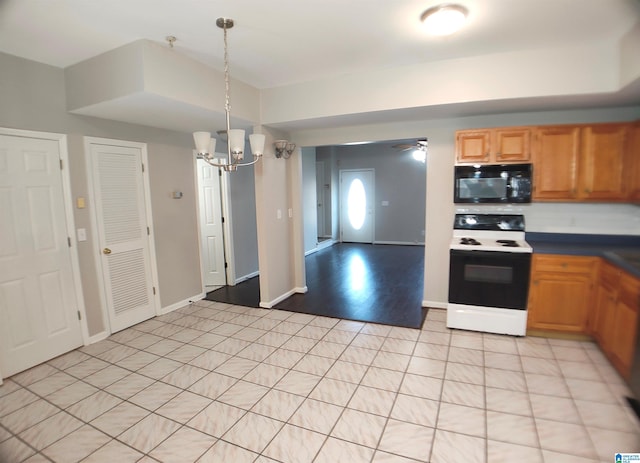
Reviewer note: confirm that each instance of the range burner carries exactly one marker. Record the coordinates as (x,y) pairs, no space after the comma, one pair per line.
(470,241)
(508,243)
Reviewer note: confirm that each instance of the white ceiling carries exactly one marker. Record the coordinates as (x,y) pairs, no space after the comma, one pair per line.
(281,42)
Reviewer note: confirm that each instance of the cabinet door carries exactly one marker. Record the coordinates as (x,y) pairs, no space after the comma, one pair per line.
(512,145)
(555,163)
(623,335)
(472,146)
(602,319)
(632,163)
(603,148)
(559,302)
(560,293)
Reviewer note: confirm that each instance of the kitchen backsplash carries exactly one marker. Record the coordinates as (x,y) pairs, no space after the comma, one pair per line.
(598,219)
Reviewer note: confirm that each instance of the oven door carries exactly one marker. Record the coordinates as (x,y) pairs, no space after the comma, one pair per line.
(489,278)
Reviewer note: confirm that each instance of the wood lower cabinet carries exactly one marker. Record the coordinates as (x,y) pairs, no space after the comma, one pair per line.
(586,295)
(560,292)
(601,320)
(615,319)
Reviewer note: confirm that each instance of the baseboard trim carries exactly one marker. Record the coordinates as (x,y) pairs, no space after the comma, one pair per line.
(322,245)
(270,304)
(434,304)
(401,243)
(245,277)
(177,305)
(98,337)
(301,290)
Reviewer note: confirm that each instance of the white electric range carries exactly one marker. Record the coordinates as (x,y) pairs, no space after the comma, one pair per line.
(490,262)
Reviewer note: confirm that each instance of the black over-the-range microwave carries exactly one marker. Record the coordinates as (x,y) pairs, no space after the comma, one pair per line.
(504,183)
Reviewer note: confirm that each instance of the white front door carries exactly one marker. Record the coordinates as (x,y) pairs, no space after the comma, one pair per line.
(211,235)
(357,205)
(123,229)
(38,300)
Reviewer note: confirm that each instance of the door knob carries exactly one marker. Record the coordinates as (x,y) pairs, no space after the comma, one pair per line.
(106,251)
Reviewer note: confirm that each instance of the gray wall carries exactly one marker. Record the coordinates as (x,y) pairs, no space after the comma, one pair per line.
(399,180)
(33,98)
(243,216)
(309,199)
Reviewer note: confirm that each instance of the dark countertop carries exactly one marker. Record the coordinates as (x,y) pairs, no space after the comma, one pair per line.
(620,250)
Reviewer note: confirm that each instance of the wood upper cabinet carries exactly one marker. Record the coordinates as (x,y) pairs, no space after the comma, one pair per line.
(560,292)
(555,162)
(615,315)
(582,163)
(494,146)
(632,162)
(602,161)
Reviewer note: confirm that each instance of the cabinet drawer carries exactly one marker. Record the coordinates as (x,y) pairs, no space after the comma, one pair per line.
(564,264)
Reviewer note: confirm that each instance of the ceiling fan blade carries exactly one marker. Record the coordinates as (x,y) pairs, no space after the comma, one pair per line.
(403,146)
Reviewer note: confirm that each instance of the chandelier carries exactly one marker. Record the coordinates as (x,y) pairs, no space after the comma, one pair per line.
(206,145)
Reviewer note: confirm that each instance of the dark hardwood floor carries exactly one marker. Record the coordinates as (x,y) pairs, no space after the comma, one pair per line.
(364,282)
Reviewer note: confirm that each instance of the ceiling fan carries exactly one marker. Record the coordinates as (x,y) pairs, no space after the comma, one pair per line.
(420,144)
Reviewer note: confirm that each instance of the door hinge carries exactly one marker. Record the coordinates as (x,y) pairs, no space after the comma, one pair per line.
(69,240)
(79,315)
(219,172)
(142,167)
(61,165)
(222,218)
(154,290)
(148,231)
(226,265)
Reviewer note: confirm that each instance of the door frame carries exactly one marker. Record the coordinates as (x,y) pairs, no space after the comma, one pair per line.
(69,218)
(88,141)
(373,207)
(227,237)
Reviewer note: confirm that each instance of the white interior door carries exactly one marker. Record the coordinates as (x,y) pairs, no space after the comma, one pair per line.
(211,230)
(320,197)
(122,224)
(38,299)
(357,205)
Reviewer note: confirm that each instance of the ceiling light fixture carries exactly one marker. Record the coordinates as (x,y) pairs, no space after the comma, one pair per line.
(420,153)
(284,149)
(206,146)
(444,19)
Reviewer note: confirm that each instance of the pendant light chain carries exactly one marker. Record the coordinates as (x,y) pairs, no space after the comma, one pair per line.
(227,104)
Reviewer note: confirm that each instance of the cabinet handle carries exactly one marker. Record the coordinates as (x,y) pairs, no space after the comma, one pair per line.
(106,251)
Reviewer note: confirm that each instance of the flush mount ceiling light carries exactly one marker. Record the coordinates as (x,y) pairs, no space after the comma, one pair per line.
(206,146)
(444,19)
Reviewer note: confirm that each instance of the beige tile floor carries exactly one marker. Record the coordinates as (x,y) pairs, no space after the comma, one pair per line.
(213,382)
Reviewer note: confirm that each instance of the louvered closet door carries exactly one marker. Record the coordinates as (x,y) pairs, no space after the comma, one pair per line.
(123,235)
